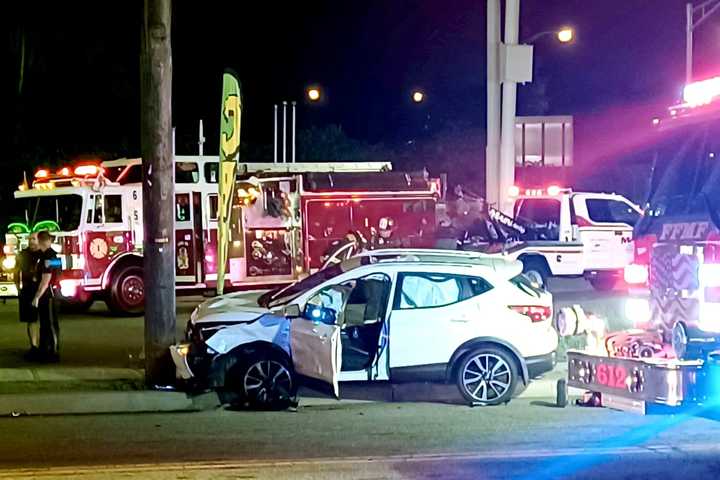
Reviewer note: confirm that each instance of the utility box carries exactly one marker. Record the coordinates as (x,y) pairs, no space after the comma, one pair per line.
(516,63)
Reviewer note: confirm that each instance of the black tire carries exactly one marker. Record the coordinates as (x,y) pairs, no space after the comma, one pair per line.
(536,270)
(127,291)
(487,375)
(263,381)
(604,283)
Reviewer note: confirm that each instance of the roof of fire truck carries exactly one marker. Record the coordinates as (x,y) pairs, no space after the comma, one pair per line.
(123,171)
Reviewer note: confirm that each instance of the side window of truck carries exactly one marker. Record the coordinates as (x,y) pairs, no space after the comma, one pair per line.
(603,210)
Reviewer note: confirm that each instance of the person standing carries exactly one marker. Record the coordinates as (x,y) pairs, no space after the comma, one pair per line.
(27,281)
(44,299)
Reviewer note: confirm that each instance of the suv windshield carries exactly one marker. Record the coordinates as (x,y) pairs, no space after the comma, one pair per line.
(64,210)
(281,296)
(686,174)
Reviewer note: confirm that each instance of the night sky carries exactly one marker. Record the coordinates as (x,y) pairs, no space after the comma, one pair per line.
(80,91)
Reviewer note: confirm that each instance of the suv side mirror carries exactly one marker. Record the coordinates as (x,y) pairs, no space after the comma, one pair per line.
(291,311)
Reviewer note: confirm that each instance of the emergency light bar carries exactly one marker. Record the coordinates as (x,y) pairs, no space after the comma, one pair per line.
(552,191)
(702,92)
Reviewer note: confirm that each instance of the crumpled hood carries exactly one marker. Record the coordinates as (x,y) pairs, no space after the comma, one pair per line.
(233,307)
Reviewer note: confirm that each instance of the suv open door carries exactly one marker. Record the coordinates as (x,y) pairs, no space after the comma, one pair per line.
(315,346)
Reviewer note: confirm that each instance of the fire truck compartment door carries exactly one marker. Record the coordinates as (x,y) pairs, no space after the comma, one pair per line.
(316,352)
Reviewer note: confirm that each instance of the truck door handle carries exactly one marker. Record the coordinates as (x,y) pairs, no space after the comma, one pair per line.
(460,320)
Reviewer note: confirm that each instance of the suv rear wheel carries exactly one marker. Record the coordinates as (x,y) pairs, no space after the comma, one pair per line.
(487,376)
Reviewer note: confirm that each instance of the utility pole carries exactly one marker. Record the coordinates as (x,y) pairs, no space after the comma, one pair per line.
(509,97)
(492,149)
(158,191)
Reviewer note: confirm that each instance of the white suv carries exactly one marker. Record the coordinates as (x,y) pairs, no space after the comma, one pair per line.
(405,316)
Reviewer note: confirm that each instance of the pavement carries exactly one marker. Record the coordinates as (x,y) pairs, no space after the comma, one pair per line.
(101,369)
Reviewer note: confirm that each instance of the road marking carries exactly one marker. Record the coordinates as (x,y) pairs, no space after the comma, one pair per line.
(385,459)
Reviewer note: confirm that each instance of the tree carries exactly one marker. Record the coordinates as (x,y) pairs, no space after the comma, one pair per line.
(330,143)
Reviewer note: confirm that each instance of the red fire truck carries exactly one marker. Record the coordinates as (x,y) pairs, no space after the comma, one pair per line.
(284,218)
(671,359)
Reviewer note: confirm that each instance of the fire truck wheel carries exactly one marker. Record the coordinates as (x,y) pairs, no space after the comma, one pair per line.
(487,376)
(536,270)
(604,283)
(127,291)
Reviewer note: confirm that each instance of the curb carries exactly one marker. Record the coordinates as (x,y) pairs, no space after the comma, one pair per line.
(79,403)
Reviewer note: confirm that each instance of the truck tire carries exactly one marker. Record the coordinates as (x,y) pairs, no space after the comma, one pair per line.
(690,343)
(604,283)
(127,291)
(536,270)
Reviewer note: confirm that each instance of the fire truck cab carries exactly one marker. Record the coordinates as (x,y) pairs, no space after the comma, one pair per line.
(284,217)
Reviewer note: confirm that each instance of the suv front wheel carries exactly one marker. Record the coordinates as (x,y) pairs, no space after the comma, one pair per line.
(487,376)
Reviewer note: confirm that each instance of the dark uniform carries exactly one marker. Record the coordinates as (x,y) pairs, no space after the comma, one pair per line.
(47,308)
(28,284)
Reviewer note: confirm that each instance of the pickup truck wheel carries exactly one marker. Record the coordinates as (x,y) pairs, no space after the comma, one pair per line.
(487,376)
(604,284)
(536,271)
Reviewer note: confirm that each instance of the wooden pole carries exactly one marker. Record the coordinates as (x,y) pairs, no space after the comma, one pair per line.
(158,191)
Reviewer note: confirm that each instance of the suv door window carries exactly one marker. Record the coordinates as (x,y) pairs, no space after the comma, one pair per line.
(603,210)
(333,298)
(429,290)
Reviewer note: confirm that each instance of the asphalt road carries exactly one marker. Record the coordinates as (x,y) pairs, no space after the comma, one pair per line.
(524,439)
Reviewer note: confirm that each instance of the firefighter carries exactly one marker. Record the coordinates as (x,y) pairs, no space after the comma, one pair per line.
(44,299)
(27,280)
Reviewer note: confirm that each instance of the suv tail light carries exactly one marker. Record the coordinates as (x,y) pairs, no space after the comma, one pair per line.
(536,313)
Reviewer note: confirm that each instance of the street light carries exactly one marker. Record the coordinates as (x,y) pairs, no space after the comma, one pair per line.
(313,94)
(418,96)
(563,35)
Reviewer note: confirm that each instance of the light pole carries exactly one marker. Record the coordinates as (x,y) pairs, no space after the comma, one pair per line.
(705,9)
(508,63)
(509,103)
(492,148)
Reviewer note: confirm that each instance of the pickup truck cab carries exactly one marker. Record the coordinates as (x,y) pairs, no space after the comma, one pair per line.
(570,233)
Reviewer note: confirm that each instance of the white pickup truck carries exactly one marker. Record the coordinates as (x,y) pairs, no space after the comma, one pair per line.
(562,233)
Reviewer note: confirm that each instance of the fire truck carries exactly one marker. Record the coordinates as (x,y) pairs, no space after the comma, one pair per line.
(284,217)
(670,358)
